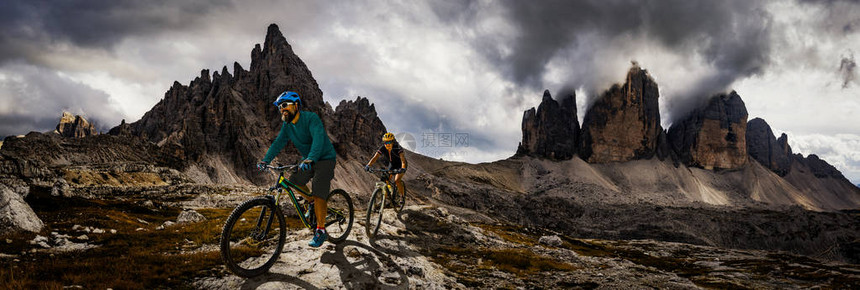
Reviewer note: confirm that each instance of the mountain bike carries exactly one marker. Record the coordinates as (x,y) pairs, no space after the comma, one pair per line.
(384,187)
(253,235)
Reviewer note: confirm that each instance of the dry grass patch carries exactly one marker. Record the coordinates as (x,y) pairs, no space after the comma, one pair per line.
(143,259)
(509,233)
(521,262)
(79,177)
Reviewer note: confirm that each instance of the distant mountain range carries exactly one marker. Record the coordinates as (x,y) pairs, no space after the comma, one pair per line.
(624,125)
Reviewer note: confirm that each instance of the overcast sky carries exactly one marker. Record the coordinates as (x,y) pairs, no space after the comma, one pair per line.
(448,67)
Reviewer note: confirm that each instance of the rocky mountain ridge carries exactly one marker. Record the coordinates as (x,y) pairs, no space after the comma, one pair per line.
(547,131)
(747,208)
(210,131)
(228,121)
(75,126)
(713,137)
(623,125)
(766,149)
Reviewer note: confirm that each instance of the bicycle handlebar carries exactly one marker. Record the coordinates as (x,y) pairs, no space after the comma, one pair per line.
(290,167)
(380,170)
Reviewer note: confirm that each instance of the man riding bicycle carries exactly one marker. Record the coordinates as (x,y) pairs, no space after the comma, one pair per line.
(391,153)
(306,131)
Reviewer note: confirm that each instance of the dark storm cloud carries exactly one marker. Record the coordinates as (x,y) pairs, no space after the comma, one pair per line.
(732,36)
(37,97)
(11,124)
(846,70)
(32,27)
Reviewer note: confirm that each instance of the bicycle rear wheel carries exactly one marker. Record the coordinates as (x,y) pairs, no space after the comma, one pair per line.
(338,220)
(253,237)
(374,212)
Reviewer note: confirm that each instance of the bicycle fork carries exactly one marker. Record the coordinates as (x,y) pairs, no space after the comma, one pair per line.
(386,188)
(261,235)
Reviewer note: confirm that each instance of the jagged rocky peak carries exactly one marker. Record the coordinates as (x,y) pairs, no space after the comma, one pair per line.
(357,128)
(782,142)
(279,68)
(713,136)
(624,122)
(819,167)
(124,129)
(763,146)
(75,126)
(552,130)
(223,122)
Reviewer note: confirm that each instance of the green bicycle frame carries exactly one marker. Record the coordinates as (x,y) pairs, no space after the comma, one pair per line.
(289,187)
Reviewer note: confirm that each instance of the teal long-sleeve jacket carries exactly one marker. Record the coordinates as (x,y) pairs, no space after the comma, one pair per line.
(308,135)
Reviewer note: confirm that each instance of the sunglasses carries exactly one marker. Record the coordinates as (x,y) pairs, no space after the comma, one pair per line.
(285,105)
(389,142)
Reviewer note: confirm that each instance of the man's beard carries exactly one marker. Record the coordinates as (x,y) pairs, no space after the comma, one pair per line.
(288,117)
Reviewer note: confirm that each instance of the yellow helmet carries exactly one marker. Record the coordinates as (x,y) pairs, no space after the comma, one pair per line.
(388,137)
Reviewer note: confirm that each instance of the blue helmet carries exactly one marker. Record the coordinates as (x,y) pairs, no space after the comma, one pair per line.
(288,96)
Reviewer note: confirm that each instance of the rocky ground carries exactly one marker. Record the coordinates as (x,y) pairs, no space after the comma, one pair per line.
(127,242)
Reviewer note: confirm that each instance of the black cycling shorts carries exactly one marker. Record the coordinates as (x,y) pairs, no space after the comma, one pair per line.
(322,172)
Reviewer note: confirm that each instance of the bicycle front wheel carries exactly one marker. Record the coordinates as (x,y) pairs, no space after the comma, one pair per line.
(374,212)
(253,237)
(399,200)
(338,220)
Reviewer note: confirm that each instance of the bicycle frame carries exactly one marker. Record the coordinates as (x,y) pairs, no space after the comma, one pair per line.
(285,184)
(385,182)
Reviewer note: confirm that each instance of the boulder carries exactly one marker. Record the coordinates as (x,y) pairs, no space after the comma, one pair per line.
(15,214)
(189,216)
(61,188)
(553,240)
(41,241)
(624,123)
(713,136)
(552,130)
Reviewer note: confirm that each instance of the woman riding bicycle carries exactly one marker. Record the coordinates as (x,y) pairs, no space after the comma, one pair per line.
(391,153)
